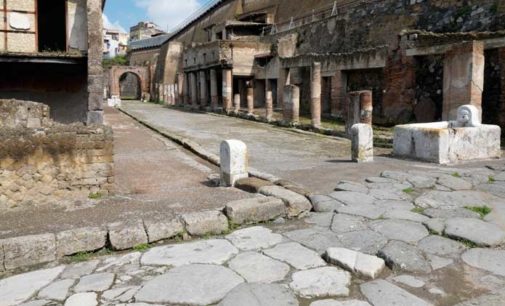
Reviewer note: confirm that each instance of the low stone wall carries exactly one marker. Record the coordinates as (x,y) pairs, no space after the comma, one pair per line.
(42,162)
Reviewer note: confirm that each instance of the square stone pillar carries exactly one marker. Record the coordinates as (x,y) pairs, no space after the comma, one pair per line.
(284,79)
(250,97)
(186,90)
(227,90)
(463,78)
(269,103)
(180,89)
(95,57)
(338,93)
(291,110)
(315,95)
(359,109)
(213,90)
(193,90)
(203,89)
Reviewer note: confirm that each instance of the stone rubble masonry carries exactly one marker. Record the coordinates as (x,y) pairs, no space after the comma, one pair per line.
(255,210)
(43,162)
(95,56)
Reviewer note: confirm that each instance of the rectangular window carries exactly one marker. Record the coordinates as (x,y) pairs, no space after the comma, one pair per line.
(51,19)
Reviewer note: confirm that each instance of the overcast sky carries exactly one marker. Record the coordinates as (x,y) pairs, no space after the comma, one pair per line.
(123,14)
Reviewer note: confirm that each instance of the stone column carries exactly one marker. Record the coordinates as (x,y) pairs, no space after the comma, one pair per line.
(463,78)
(236,103)
(362,143)
(250,97)
(366,107)
(194,92)
(315,95)
(284,79)
(338,93)
(291,110)
(203,89)
(359,109)
(269,103)
(213,90)
(501,116)
(227,90)
(186,89)
(95,57)
(180,89)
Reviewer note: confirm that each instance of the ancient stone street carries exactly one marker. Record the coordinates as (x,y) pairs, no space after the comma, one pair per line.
(444,251)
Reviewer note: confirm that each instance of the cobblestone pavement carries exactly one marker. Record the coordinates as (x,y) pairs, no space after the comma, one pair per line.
(401,238)
(312,160)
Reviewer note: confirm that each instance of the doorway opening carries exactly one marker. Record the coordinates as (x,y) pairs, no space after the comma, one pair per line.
(129,86)
(51,25)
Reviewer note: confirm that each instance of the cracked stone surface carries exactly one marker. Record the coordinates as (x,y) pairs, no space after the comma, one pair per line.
(321,282)
(401,230)
(259,295)
(258,268)
(381,292)
(254,238)
(477,231)
(296,255)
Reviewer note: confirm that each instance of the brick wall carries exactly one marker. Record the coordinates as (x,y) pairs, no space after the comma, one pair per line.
(52,163)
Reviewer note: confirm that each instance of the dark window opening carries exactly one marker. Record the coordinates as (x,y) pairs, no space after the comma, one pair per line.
(258,17)
(51,19)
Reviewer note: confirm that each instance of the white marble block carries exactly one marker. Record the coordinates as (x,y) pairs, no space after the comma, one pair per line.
(234,162)
(362,143)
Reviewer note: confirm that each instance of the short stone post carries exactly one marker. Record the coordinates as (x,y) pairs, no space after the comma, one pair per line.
(250,98)
(234,162)
(315,95)
(362,143)
(236,103)
(291,97)
(213,90)
(269,103)
(227,90)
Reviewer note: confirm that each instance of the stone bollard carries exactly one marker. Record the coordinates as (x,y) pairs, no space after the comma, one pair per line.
(362,143)
(236,103)
(269,105)
(234,162)
(359,109)
(315,95)
(250,99)
(291,104)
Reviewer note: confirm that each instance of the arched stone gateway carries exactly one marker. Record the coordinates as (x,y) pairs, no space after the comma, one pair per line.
(116,72)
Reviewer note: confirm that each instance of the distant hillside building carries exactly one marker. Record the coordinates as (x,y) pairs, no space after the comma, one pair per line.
(143,30)
(115,43)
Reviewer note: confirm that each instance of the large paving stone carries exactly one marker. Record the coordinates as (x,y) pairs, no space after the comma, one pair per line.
(126,235)
(320,219)
(30,250)
(486,259)
(351,186)
(355,262)
(317,239)
(477,231)
(343,223)
(260,295)
(454,199)
(339,303)
(79,269)
(321,282)
(117,262)
(190,285)
(80,240)
(409,280)
(367,241)
(352,198)
(450,213)
(405,215)
(122,294)
(324,203)
(494,299)
(363,210)
(396,175)
(258,268)
(255,210)
(205,222)
(398,187)
(454,183)
(392,205)
(381,292)
(435,225)
(295,202)
(389,194)
(401,256)
(296,255)
(95,282)
(422,182)
(254,238)
(215,251)
(160,228)
(402,230)
(82,299)
(57,291)
(17,289)
(380,179)
(437,245)
(36,303)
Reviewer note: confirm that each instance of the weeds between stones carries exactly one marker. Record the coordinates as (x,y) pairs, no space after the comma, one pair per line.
(456,174)
(142,247)
(481,210)
(418,210)
(408,190)
(95,196)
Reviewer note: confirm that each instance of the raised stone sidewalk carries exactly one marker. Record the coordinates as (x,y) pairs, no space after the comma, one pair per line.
(401,238)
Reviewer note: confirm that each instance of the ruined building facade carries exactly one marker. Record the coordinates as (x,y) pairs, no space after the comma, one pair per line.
(51,52)
(420,58)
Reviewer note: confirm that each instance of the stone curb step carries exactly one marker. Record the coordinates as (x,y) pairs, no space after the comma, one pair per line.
(32,250)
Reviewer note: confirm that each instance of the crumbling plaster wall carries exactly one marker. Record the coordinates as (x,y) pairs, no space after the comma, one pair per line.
(47,163)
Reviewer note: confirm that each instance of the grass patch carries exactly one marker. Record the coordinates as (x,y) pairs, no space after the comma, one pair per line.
(408,190)
(80,257)
(481,210)
(418,210)
(491,179)
(141,247)
(456,174)
(95,196)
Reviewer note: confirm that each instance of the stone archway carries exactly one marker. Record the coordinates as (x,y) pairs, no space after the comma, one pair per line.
(116,72)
